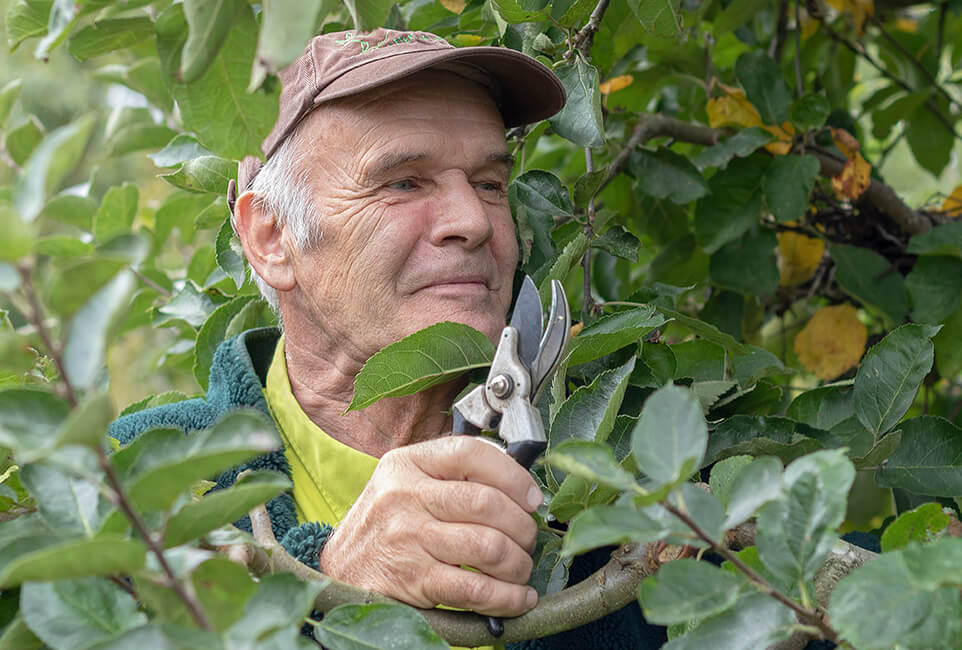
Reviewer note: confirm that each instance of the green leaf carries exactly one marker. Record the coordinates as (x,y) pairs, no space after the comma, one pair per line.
(896,111)
(143,76)
(536,198)
(109,35)
(87,423)
(76,559)
(762,436)
(209,22)
(670,435)
(18,237)
(91,330)
(62,247)
(190,305)
(117,211)
(618,242)
(212,333)
(723,473)
(163,463)
(934,287)
(512,13)
(687,589)
(706,331)
(741,145)
(278,608)
(890,376)
(665,174)
(432,356)
(753,486)
(69,614)
(368,15)
(49,164)
(377,625)
(66,503)
(29,419)
(68,208)
(929,140)
(587,185)
(928,460)
(755,621)
(606,525)
(922,525)
(223,506)
(181,148)
(62,19)
(733,205)
(559,268)
(203,174)
(572,497)
(787,184)
(747,265)
(810,111)
(877,454)
(550,572)
(20,141)
(797,531)
(580,120)
(8,97)
(659,19)
(613,332)
(591,461)
(139,137)
(243,119)
(823,407)
(870,279)
(589,413)
(17,636)
(943,239)
(286,25)
(948,354)
(764,86)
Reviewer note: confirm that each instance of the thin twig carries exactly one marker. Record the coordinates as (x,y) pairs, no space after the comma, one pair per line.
(807,614)
(37,318)
(584,38)
(191,603)
(940,41)
(588,302)
(781,28)
(799,88)
(150,283)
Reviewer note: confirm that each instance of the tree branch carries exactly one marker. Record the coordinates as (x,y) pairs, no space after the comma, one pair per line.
(38,320)
(584,38)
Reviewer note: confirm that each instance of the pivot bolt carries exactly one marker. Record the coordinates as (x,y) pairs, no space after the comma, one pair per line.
(501,386)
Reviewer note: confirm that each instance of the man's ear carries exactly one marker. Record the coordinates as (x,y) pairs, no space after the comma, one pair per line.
(263,242)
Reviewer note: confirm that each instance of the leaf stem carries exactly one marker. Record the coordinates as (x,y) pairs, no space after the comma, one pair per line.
(807,614)
(588,303)
(190,602)
(37,318)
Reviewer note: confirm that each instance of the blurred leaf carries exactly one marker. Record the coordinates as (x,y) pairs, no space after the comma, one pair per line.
(71,209)
(203,174)
(948,354)
(930,141)
(280,605)
(209,23)
(890,376)
(286,25)
(761,436)
(26,19)
(587,186)
(665,174)
(853,180)
(139,137)
(29,419)
(49,164)
(17,636)
(832,341)
(85,352)
(732,206)
(511,12)
(426,358)
(190,305)
(753,486)
(63,247)
(787,183)
(181,148)
(109,35)
(223,506)
(67,504)
(117,211)
(723,473)
(368,15)
(687,589)
(591,461)
(799,257)
(143,76)
(18,236)
(922,525)
(212,333)
(747,265)
(670,436)
(580,120)
(765,86)
(87,423)
(359,627)
(660,19)
(810,111)
(550,573)
(69,614)
(589,413)
(755,621)
(61,21)
(741,145)
(706,331)
(870,278)
(934,287)
(8,97)
(20,141)
(76,559)
(927,462)
(612,332)
(607,525)
(559,268)
(943,239)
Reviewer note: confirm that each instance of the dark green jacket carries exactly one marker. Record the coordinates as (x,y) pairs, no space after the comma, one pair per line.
(237,378)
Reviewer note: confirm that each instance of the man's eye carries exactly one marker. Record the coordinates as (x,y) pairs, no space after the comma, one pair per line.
(490,186)
(404,185)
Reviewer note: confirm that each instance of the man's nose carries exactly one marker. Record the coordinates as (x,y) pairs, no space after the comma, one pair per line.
(461,215)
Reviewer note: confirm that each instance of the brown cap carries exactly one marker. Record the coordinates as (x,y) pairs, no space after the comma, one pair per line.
(346,63)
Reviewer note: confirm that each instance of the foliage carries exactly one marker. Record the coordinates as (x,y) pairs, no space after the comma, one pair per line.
(718,199)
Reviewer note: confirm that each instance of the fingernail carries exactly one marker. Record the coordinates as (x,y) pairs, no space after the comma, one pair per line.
(535,498)
(531,599)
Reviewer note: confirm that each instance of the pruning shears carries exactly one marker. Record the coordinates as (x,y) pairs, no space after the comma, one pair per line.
(526,358)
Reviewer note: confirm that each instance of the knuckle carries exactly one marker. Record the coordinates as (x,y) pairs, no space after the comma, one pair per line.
(484,500)
(476,590)
(493,548)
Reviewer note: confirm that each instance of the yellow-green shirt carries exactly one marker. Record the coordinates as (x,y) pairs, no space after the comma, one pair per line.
(328,475)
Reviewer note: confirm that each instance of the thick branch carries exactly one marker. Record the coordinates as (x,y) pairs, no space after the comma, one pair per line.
(655,126)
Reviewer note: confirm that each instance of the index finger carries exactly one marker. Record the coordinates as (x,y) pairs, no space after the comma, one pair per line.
(466,458)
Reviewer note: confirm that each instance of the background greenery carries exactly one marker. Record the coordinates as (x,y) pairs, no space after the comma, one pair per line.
(757,201)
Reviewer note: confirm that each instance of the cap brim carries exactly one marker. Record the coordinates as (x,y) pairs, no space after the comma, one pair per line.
(529,90)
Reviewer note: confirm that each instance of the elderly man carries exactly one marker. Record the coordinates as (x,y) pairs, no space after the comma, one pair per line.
(381,209)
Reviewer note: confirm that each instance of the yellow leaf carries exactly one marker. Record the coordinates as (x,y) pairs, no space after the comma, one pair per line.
(809,25)
(845,142)
(854,178)
(952,205)
(831,342)
(798,257)
(733,109)
(906,24)
(576,329)
(615,84)
(783,141)
(454,6)
(466,40)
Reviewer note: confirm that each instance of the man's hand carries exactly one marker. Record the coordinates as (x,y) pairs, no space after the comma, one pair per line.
(428,510)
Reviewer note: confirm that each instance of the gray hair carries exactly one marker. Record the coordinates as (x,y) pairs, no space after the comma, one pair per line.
(282,188)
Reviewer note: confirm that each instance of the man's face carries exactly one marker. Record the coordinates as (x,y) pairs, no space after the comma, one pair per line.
(411,182)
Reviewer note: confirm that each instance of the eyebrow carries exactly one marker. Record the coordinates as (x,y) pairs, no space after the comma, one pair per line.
(391,161)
